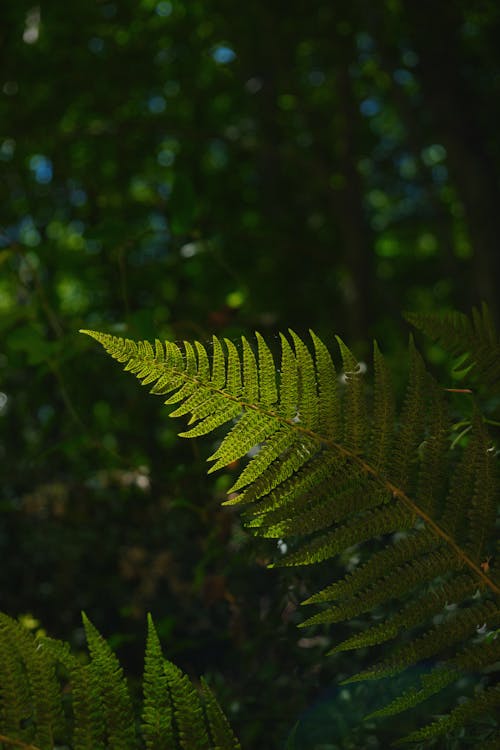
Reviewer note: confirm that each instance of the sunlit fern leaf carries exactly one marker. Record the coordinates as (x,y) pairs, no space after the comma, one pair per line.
(188,713)
(222,735)
(329,401)
(330,468)
(472,338)
(307,406)
(289,380)
(253,428)
(355,422)
(86,703)
(281,481)
(157,712)
(45,718)
(273,448)
(116,702)
(301,478)
(234,382)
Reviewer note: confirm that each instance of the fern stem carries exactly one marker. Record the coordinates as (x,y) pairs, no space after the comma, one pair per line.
(17,743)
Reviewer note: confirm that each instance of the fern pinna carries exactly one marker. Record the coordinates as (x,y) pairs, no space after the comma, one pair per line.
(331,468)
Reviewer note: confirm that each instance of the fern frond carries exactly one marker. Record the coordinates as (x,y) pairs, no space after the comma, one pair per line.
(100,715)
(355,421)
(473,339)
(333,469)
(116,702)
(44,706)
(188,712)
(88,720)
(157,713)
(223,737)
(15,704)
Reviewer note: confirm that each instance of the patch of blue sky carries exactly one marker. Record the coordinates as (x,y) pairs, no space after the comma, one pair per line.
(223,54)
(41,166)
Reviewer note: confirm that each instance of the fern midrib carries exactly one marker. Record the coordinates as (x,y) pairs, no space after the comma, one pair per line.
(364,465)
(17,743)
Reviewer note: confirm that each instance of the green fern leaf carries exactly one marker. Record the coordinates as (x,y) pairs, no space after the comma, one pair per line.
(188,711)
(15,703)
(44,700)
(487,701)
(384,409)
(423,608)
(116,703)
(157,714)
(221,733)
(437,639)
(355,415)
(329,401)
(88,720)
(474,658)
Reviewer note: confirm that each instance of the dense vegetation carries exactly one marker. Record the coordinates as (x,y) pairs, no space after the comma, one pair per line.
(179,169)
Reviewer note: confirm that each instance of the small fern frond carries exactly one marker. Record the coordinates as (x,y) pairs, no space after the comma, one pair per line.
(157,713)
(15,703)
(44,720)
(223,737)
(116,702)
(473,339)
(89,707)
(188,712)
(87,714)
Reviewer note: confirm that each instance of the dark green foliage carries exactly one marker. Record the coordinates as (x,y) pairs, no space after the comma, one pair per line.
(89,708)
(473,339)
(30,707)
(330,469)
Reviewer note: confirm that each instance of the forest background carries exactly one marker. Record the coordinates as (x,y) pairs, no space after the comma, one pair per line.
(180,169)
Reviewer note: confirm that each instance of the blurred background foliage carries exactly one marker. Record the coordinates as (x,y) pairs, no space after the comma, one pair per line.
(178,169)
